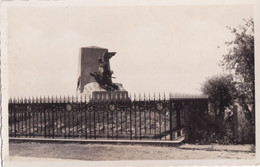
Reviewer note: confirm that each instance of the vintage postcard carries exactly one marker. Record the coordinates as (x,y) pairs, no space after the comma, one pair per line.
(129,83)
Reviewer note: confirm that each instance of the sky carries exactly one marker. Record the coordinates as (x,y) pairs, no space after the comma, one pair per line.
(160,49)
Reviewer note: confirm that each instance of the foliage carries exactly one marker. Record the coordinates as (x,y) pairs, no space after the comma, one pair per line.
(220,90)
(223,132)
(240,61)
(225,92)
(245,130)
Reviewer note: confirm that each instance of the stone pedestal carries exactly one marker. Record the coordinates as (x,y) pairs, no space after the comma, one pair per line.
(95,92)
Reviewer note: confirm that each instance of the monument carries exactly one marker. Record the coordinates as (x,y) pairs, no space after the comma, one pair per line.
(95,78)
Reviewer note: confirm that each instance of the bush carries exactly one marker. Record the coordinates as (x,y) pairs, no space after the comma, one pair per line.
(222,131)
(246,133)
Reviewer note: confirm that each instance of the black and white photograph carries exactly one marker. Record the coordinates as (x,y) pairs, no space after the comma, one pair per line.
(127,83)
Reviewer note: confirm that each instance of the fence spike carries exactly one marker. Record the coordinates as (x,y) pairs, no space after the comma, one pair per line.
(106,97)
(130,96)
(77,99)
(116,96)
(85,98)
(101,97)
(98,97)
(56,99)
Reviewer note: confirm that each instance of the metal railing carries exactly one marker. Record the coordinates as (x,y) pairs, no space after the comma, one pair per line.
(113,118)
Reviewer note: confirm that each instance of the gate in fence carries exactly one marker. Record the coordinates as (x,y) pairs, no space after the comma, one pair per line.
(116,118)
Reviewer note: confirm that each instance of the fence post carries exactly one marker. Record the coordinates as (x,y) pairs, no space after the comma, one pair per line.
(131,133)
(171,108)
(86,124)
(178,118)
(94,110)
(45,121)
(52,115)
(15,123)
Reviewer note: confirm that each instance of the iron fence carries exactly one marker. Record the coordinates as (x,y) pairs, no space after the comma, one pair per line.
(116,118)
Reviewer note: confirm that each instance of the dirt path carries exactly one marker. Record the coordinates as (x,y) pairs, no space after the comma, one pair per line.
(119,152)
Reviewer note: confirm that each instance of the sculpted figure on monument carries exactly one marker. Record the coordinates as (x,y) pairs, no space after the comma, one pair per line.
(104,75)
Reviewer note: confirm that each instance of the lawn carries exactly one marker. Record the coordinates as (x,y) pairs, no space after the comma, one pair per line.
(121,152)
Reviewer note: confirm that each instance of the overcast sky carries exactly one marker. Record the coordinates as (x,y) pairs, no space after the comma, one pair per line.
(159,48)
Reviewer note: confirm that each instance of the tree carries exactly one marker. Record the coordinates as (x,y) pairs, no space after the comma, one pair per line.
(220,90)
(240,61)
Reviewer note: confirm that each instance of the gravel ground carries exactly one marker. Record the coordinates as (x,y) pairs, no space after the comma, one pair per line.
(120,152)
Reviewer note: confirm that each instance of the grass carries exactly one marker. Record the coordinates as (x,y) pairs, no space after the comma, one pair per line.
(98,152)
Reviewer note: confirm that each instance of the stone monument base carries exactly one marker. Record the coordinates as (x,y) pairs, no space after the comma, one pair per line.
(110,95)
(96,92)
